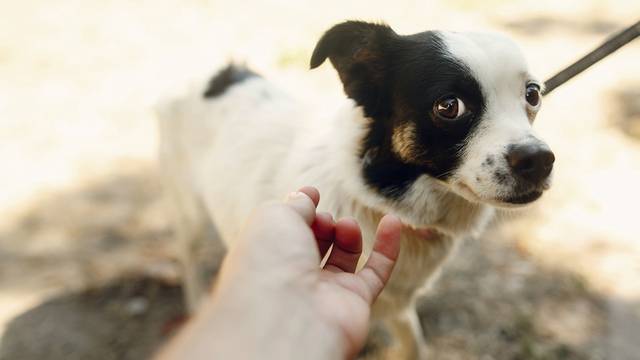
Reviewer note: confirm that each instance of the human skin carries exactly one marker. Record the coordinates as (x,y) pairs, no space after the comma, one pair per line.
(272,299)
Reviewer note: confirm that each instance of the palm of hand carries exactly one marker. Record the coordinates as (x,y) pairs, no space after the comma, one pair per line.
(342,296)
(279,245)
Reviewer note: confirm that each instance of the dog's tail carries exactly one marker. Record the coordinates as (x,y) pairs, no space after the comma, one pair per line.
(227,77)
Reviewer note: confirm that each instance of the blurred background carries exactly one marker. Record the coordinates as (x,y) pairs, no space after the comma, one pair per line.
(87,264)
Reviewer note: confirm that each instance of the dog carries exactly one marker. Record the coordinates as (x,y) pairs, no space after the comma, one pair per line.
(436,128)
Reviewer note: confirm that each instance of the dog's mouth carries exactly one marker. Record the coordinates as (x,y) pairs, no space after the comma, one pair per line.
(520,199)
(523,199)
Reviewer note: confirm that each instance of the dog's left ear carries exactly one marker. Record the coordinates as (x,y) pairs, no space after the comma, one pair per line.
(357,51)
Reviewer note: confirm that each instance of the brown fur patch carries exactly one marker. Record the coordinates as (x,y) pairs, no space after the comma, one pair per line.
(404,143)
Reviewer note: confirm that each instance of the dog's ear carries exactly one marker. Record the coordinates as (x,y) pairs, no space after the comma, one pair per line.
(357,51)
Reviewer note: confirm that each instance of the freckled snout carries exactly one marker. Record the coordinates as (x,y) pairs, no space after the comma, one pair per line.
(530,162)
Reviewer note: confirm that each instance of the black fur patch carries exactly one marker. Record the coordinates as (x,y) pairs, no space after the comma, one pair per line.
(225,78)
(397,79)
(501,177)
(489,161)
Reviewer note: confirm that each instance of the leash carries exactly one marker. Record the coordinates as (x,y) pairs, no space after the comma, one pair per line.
(607,48)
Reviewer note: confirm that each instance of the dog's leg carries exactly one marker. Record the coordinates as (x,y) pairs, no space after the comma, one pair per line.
(198,245)
(397,337)
(417,333)
(201,258)
(200,248)
(396,332)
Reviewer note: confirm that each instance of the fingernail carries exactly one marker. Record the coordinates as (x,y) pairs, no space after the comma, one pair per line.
(293,196)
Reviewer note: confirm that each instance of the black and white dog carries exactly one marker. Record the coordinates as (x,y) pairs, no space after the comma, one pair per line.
(437,129)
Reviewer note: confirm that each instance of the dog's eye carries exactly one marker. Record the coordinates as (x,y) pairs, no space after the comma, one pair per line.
(532,95)
(449,108)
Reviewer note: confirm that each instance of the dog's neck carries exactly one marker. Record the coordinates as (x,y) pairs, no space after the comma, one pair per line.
(428,203)
(432,204)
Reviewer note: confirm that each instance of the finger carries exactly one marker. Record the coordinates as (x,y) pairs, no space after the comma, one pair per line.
(377,270)
(347,247)
(324,229)
(303,205)
(312,193)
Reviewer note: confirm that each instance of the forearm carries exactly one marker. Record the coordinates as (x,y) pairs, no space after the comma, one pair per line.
(236,327)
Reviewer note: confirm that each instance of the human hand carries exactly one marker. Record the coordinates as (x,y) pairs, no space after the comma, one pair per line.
(274,301)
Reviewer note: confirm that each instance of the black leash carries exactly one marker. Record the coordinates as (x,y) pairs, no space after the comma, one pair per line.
(607,48)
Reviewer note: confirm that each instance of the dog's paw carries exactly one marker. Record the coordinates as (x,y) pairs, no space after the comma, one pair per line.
(392,339)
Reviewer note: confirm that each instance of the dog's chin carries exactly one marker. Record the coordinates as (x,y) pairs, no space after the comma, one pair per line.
(513,201)
(519,200)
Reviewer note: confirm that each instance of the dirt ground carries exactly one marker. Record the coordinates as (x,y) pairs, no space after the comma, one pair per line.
(87,265)
(494,299)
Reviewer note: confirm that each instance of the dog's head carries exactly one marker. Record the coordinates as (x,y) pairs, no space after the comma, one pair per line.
(456,107)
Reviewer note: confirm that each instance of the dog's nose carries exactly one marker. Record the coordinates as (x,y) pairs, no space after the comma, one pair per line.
(532,162)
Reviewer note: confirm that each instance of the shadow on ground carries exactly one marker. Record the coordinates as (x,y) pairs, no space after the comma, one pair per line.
(128,319)
(482,306)
(88,235)
(493,299)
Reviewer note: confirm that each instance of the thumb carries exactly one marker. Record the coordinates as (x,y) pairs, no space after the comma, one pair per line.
(302,204)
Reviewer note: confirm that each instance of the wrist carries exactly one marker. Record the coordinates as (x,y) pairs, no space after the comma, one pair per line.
(270,324)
